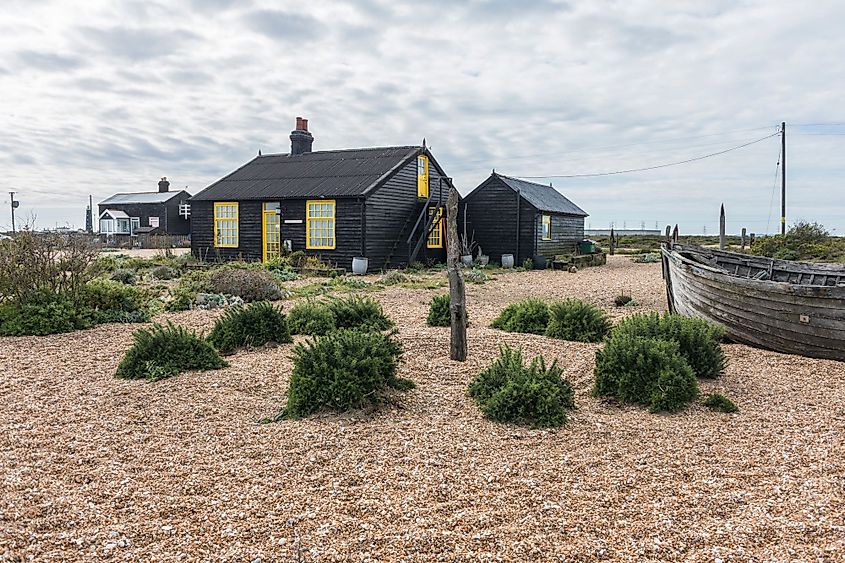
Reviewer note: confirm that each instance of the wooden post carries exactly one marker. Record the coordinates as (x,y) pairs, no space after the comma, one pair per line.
(722,228)
(743,239)
(675,233)
(457,293)
(612,244)
(668,234)
(751,240)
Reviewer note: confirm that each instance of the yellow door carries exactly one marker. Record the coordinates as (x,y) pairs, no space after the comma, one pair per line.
(272,229)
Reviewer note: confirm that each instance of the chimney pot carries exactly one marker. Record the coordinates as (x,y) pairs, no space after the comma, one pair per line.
(300,139)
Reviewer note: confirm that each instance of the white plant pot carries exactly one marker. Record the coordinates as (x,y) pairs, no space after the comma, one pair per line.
(359,265)
(467,259)
(507,260)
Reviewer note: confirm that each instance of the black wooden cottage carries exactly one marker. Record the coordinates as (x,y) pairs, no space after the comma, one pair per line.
(510,216)
(384,204)
(127,215)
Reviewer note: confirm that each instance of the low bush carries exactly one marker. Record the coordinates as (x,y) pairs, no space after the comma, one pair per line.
(719,402)
(124,276)
(51,314)
(622,300)
(254,325)
(344,370)
(531,316)
(393,277)
(528,264)
(476,276)
(645,371)
(162,351)
(310,317)
(113,302)
(248,284)
(215,301)
(439,313)
(357,312)
(647,258)
(190,284)
(164,273)
(572,319)
(697,339)
(535,395)
(284,275)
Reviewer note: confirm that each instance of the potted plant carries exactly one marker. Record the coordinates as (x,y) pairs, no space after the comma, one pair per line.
(467,246)
(481,259)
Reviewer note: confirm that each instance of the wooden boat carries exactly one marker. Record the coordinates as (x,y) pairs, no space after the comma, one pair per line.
(791,307)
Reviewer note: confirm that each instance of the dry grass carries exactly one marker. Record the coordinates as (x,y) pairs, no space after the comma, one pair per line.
(97,468)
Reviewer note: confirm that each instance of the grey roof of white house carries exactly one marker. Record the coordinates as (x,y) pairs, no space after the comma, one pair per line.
(543,197)
(115,213)
(142,197)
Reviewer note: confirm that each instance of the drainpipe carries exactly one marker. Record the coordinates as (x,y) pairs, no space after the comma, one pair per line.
(518,202)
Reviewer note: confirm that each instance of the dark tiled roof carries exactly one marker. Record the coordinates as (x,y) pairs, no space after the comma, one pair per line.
(341,173)
(543,197)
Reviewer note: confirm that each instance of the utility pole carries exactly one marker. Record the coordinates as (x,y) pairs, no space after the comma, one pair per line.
(14,204)
(783,179)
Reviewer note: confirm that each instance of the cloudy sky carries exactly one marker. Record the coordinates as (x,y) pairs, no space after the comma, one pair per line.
(98,97)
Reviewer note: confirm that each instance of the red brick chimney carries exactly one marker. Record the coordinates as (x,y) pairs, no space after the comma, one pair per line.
(300,138)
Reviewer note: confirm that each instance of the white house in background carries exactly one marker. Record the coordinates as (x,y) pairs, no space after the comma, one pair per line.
(161,212)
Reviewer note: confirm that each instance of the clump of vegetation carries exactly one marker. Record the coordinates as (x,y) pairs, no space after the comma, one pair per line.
(644,371)
(364,313)
(346,369)
(248,284)
(284,275)
(646,258)
(113,302)
(163,351)
(534,395)
(49,314)
(251,326)
(310,317)
(719,402)
(164,273)
(528,264)
(573,319)
(476,276)
(190,284)
(530,315)
(215,301)
(124,276)
(393,277)
(622,300)
(439,312)
(698,340)
(804,241)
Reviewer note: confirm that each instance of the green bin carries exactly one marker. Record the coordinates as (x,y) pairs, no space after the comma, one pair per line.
(587,247)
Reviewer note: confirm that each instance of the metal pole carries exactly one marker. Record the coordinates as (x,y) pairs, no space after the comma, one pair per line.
(12,203)
(783,179)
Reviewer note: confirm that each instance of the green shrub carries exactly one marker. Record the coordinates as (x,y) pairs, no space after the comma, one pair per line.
(114,302)
(215,301)
(124,276)
(535,395)
(393,277)
(697,339)
(344,370)
(531,316)
(439,313)
(645,371)
(310,317)
(363,313)
(476,276)
(572,319)
(253,325)
(51,314)
(528,264)
(622,300)
(284,274)
(164,273)
(647,258)
(162,351)
(248,284)
(190,284)
(719,402)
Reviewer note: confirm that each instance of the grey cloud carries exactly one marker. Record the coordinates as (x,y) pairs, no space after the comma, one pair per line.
(138,44)
(50,62)
(284,26)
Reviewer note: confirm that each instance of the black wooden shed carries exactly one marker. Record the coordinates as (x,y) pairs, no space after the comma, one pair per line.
(384,204)
(510,216)
(164,212)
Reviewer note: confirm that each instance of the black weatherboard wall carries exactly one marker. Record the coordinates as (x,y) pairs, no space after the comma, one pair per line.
(504,216)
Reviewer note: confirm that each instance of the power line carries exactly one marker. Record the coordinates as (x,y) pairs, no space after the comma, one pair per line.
(646,168)
(774,187)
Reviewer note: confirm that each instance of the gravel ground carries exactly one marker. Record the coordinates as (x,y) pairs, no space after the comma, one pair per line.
(95,468)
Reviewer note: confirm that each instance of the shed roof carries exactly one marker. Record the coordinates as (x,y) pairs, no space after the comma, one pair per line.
(115,214)
(141,197)
(337,173)
(543,197)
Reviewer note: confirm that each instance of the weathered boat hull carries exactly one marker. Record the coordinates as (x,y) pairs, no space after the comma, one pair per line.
(796,318)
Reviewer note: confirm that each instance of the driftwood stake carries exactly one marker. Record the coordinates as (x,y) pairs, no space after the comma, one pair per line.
(722,228)
(457,293)
(675,233)
(612,243)
(668,234)
(743,239)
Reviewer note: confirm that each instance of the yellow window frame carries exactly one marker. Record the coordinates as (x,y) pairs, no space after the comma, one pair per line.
(547,227)
(320,210)
(422,176)
(226,224)
(435,237)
